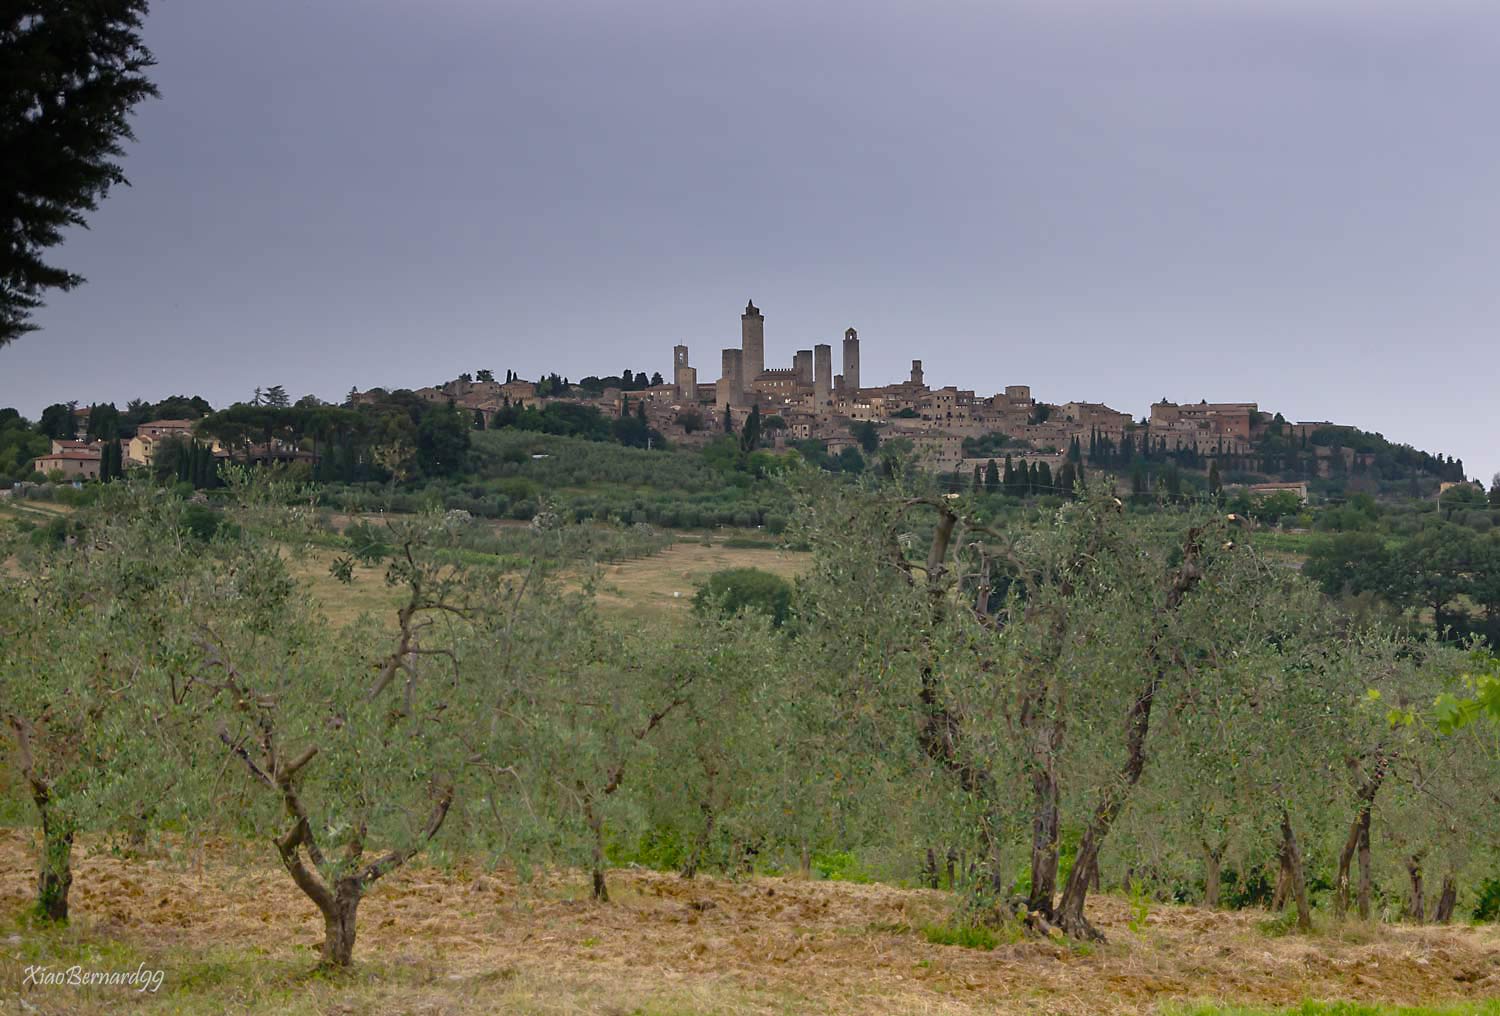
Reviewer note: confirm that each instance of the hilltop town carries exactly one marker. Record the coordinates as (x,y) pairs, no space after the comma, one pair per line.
(835,418)
(952,430)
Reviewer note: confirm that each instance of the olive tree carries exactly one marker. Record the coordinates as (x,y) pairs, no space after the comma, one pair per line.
(94,673)
(359,741)
(1042,650)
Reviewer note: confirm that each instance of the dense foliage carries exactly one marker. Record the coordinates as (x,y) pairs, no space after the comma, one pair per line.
(71,72)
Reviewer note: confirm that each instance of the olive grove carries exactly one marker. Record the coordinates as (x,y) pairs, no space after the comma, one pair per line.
(1090,697)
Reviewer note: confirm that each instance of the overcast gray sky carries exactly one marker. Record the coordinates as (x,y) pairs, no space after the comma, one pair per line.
(1293,202)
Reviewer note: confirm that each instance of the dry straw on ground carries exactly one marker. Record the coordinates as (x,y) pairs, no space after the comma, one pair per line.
(468,943)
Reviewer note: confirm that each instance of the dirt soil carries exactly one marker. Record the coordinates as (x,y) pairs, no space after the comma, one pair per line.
(458,943)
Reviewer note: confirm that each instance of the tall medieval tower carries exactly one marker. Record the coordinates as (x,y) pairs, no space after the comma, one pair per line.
(752,343)
(683,376)
(822,374)
(851,362)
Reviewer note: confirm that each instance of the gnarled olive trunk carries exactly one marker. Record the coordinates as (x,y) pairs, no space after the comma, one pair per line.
(55,870)
(1447,899)
(600,890)
(338,923)
(695,856)
(1358,841)
(1346,863)
(1213,865)
(1366,869)
(1296,876)
(55,877)
(1046,822)
(1416,902)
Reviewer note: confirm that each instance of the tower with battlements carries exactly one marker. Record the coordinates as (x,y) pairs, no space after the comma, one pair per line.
(802,366)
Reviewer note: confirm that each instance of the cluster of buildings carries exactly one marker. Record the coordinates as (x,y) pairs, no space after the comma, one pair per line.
(82,458)
(808,401)
(813,402)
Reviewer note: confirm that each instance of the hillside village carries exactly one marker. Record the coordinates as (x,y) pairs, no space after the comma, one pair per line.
(953,431)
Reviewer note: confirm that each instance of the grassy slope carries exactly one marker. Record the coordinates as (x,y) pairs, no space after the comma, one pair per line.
(233,935)
(643,586)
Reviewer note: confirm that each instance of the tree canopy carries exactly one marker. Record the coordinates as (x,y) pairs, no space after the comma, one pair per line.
(71,71)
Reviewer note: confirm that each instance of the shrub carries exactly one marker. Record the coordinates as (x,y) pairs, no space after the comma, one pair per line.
(728,592)
(366,541)
(840,866)
(1487,906)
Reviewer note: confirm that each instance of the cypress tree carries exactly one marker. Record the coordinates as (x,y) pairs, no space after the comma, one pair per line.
(750,435)
(992,475)
(1044,481)
(1008,480)
(979,485)
(640,411)
(1214,485)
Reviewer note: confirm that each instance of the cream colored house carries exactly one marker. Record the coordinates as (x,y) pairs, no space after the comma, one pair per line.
(73,464)
(148,436)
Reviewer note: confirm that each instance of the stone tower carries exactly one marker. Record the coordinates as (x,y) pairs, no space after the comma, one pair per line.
(822,373)
(752,343)
(916,373)
(851,362)
(731,390)
(802,366)
(683,376)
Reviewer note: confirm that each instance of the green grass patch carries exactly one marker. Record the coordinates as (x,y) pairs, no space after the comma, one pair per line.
(1297,544)
(968,936)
